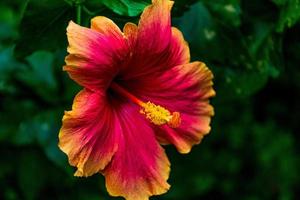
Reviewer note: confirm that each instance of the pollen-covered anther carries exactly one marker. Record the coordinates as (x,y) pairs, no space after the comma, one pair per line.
(158,115)
(175,121)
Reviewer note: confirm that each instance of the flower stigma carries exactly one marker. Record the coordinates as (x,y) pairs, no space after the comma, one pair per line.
(156,114)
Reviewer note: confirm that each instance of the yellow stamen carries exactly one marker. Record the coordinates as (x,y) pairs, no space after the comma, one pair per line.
(157,114)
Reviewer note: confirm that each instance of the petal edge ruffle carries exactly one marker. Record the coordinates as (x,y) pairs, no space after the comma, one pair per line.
(88,142)
(94,58)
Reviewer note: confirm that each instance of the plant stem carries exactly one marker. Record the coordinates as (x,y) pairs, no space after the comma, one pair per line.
(87,11)
(78,14)
(23,9)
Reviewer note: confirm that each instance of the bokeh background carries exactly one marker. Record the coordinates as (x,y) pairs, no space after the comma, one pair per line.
(253,48)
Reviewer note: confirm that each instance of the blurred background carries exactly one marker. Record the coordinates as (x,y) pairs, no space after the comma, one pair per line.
(253,48)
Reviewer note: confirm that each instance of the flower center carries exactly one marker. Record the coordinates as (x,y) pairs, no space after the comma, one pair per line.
(156,114)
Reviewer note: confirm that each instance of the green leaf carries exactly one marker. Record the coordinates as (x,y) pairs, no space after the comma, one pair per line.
(126,7)
(42,67)
(8,65)
(6,60)
(7,23)
(47,136)
(228,11)
(265,49)
(39,75)
(242,59)
(199,31)
(289,13)
(43,130)
(180,7)
(11,117)
(44,26)
(280,2)
(32,174)
(240,83)
(36,129)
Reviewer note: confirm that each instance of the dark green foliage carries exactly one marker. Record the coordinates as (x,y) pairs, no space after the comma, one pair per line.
(42,25)
(289,13)
(253,48)
(249,48)
(126,7)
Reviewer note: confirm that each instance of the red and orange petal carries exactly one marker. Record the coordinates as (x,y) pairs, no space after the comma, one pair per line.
(155,45)
(107,27)
(186,89)
(180,47)
(95,57)
(154,28)
(90,133)
(112,138)
(130,32)
(140,167)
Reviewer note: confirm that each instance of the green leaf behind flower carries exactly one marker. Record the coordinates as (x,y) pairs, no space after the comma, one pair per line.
(126,7)
(242,53)
(289,13)
(39,75)
(43,26)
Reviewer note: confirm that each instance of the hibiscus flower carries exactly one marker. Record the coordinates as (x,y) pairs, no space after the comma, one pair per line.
(140,91)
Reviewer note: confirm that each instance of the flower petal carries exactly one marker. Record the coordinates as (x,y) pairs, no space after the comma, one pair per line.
(106,27)
(89,134)
(185,89)
(155,45)
(95,56)
(180,47)
(106,137)
(130,31)
(139,168)
(155,26)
